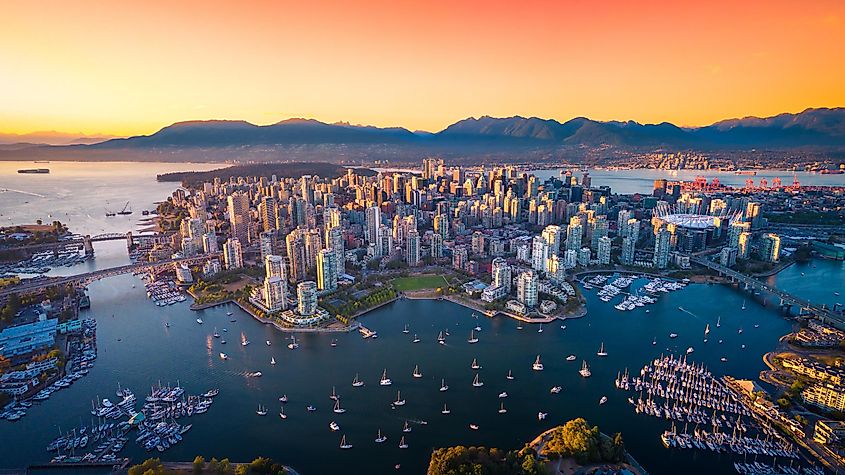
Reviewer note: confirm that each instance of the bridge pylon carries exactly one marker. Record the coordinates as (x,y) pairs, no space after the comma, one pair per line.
(87,245)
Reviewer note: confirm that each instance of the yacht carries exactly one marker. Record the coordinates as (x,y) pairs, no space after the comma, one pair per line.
(381,438)
(344,444)
(690,350)
(542,415)
(357,383)
(416,338)
(310,408)
(570,358)
(475,364)
(228,314)
(556,389)
(262,411)
(473,426)
(673,335)
(723,359)
(476,382)
(272,360)
(563,327)
(406,329)
(472,337)
(537,366)
(503,395)
(282,413)
(199,320)
(399,401)
(443,386)
(293,344)
(540,330)
(267,342)
(224,356)
(602,351)
(283,399)
(417,373)
(385,381)
(502,409)
(585,370)
(445,410)
(509,376)
(602,400)
(402,443)
(337,409)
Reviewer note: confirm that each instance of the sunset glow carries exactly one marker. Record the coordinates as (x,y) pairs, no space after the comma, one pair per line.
(116,68)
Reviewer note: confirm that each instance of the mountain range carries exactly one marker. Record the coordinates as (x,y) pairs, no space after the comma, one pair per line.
(812,128)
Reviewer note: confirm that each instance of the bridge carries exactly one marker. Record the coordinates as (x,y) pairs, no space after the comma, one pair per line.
(31,285)
(85,242)
(786,299)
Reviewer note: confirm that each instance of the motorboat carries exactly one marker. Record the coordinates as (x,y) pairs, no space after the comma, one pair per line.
(199,320)
(537,366)
(503,394)
(224,356)
(473,426)
(571,358)
(690,350)
(334,426)
(673,335)
(602,400)
(556,389)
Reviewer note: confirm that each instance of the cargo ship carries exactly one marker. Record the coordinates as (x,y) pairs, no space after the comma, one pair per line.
(34,170)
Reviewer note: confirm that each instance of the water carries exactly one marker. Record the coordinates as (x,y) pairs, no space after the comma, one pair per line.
(148,352)
(805,279)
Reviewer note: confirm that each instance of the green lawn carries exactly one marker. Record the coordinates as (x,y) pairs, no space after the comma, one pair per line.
(419,282)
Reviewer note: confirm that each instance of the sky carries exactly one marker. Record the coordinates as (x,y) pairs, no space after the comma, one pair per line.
(129,68)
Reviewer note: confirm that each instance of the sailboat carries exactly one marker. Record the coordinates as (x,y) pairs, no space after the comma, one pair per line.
(381,438)
(333,343)
(402,443)
(540,330)
(417,373)
(537,366)
(272,360)
(399,401)
(215,334)
(443,386)
(477,383)
(441,339)
(445,410)
(509,376)
(262,411)
(293,344)
(654,341)
(244,341)
(416,338)
(406,329)
(743,304)
(406,428)
(472,339)
(334,396)
(357,383)
(706,330)
(385,381)
(337,409)
(282,413)
(519,325)
(585,370)
(601,351)
(343,444)
(502,409)
(475,364)
(719,321)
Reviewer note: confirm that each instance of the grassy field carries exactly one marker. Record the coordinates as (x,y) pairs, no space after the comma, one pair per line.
(419,282)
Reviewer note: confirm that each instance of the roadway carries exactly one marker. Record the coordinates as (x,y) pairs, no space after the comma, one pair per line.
(84,279)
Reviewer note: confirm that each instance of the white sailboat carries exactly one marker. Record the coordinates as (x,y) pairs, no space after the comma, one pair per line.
(405,330)
(719,321)
(441,339)
(385,381)
(334,396)
(502,409)
(445,410)
(402,443)
(406,428)
(215,334)
(509,376)
(743,304)
(356,382)
(540,330)
(273,360)
(585,370)
(381,438)
(337,409)
(443,386)
(262,411)
(399,401)
(472,338)
(416,338)
(477,383)
(602,351)
(417,373)
(282,413)
(537,366)
(293,344)
(343,444)
(475,364)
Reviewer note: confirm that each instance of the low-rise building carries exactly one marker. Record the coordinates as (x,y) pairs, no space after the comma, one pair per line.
(826,396)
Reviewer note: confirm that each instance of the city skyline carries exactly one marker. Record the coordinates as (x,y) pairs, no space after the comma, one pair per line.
(121,70)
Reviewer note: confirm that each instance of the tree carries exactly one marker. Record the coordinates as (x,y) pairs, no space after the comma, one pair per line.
(199,463)
(148,467)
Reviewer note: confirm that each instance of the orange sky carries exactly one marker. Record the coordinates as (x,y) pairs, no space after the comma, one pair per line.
(108,67)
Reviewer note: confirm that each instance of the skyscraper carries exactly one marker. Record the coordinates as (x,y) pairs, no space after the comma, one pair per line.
(326,270)
(233,254)
(239,220)
(306,293)
(501,273)
(661,248)
(436,246)
(539,253)
(552,235)
(604,250)
(573,234)
(412,248)
(526,288)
